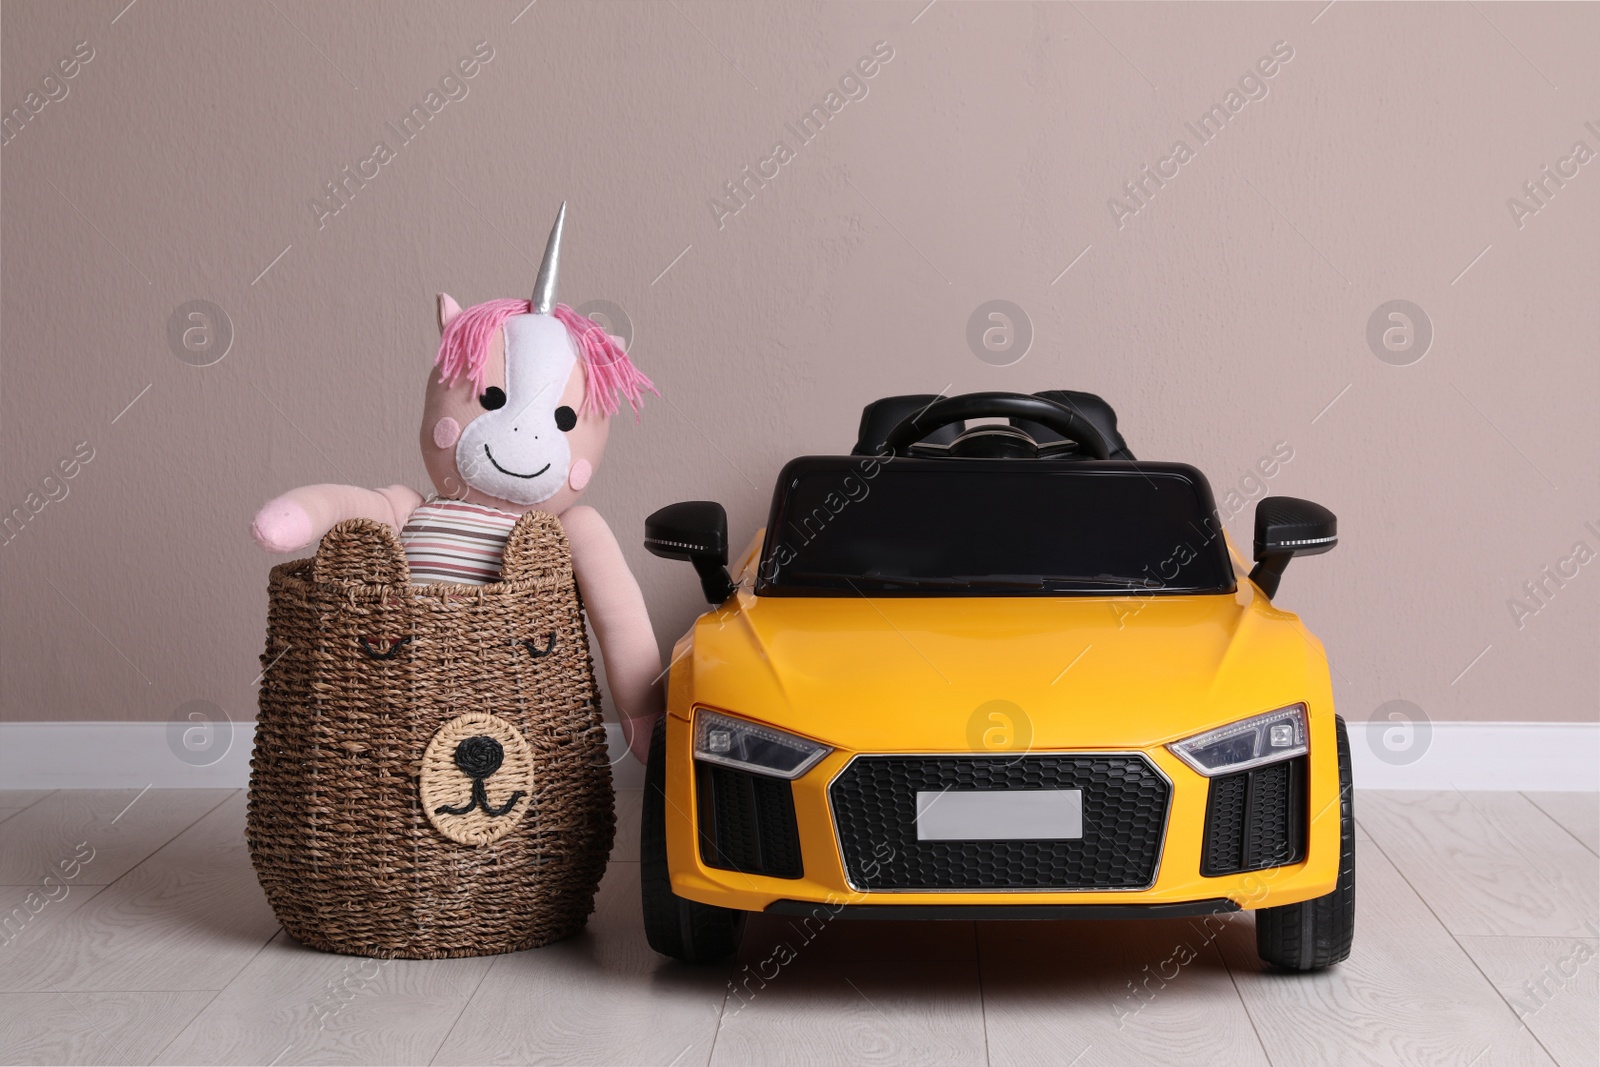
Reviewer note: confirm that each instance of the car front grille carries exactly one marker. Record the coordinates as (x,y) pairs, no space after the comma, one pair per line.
(747,822)
(1125,802)
(1256,819)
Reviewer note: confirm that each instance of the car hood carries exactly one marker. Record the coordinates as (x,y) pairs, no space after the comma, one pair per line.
(932,673)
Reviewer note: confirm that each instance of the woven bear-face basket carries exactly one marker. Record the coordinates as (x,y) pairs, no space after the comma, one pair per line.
(430,775)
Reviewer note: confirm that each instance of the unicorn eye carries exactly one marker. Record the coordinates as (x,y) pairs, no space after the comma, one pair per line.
(492,398)
(566,418)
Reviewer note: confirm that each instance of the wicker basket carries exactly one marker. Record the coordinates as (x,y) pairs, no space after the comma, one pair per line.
(430,775)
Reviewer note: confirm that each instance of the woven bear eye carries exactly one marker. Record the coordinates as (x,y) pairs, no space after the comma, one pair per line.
(540,653)
(566,418)
(493,397)
(381,647)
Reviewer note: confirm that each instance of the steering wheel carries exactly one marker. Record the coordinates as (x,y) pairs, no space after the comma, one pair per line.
(1063,420)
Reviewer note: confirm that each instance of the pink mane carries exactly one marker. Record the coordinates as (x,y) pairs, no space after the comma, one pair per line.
(609,377)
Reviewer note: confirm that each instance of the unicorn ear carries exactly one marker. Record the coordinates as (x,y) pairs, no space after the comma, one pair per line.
(448,309)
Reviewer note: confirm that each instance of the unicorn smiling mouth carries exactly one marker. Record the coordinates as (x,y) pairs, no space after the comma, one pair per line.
(513,474)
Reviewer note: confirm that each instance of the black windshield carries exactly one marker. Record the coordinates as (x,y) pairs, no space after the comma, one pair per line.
(935,527)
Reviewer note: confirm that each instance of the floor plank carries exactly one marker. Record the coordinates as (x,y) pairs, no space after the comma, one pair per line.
(22,798)
(114,828)
(1487,863)
(1408,994)
(815,1011)
(847,940)
(29,914)
(1142,991)
(188,918)
(293,1004)
(91,1028)
(602,997)
(625,849)
(1578,812)
(1553,984)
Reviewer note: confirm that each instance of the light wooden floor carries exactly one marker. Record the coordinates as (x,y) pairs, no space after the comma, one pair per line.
(1476,944)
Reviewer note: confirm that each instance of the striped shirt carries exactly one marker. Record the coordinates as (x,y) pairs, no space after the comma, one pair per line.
(453,541)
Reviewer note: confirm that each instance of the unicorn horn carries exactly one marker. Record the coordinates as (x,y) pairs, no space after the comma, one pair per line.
(544,287)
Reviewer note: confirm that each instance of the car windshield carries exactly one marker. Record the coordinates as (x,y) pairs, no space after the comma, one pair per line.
(933,527)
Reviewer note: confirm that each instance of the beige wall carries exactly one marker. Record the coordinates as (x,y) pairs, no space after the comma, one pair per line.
(1221,319)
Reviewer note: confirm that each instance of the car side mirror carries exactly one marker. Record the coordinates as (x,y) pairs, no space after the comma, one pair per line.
(1286,527)
(697,531)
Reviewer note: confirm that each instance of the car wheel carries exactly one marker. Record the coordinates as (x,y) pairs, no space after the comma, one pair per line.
(1314,934)
(683,929)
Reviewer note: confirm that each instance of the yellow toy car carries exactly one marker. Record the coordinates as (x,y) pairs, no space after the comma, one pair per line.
(997,670)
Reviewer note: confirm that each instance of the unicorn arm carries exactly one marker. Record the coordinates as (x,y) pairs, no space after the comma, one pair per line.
(301,516)
(621,623)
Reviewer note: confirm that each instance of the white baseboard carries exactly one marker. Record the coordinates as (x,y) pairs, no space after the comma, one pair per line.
(1555,757)
(132,755)
(1549,756)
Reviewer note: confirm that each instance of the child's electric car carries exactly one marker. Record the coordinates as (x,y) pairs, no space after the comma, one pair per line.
(997,670)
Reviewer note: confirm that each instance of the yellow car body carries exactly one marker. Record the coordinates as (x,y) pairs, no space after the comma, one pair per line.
(990,675)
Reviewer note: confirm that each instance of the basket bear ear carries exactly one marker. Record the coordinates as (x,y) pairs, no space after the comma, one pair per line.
(537,548)
(363,552)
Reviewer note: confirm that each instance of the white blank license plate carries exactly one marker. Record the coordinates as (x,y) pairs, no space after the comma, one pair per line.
(1000,815)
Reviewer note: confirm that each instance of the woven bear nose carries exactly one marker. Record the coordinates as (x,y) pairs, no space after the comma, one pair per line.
(479,757)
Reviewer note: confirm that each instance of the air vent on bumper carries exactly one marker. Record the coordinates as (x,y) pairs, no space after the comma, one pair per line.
(747,822)
(1256,819)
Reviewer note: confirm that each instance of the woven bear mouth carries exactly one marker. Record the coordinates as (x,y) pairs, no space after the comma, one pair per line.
(479,757)
(513,474)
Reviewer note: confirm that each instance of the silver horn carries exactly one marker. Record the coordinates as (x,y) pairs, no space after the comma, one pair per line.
(544,287)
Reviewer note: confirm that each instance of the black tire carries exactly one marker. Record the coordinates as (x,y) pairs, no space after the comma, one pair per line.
(683,929)
(1317,933)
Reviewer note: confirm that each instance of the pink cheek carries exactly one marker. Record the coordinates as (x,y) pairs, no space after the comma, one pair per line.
(582,471)
(446,432)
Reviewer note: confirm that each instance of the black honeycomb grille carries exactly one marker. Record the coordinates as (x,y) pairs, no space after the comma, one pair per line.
(747,822)
(1255,819)
(1124,816)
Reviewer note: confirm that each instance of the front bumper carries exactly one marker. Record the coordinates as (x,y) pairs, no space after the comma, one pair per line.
(1177,878)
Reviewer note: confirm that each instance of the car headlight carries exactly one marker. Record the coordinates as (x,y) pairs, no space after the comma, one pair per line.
(751,747)
(1248,743)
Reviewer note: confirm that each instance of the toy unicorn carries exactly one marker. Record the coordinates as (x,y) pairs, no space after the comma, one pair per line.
(514,420)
